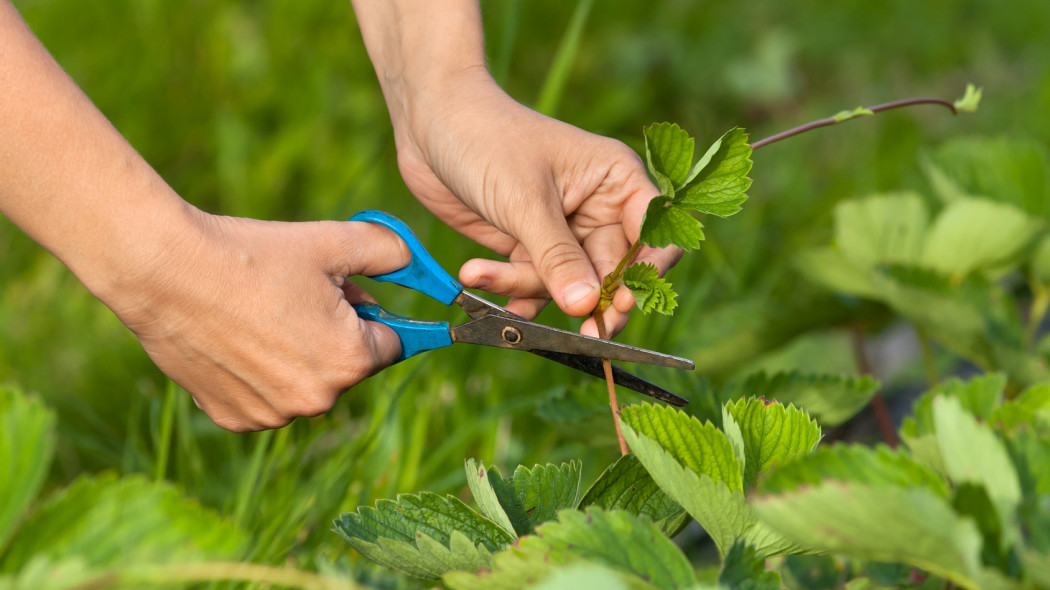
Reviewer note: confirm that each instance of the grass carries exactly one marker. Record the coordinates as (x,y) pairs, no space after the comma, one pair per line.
(271,110)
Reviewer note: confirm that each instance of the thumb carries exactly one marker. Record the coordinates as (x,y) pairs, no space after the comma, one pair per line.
(351,248)
(562,264)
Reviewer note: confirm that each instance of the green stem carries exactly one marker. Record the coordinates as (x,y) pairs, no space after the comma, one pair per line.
(611,282)
(835,119)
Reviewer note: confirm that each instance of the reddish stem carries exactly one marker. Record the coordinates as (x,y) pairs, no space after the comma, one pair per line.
(877,403)
(607,366)
(833,121)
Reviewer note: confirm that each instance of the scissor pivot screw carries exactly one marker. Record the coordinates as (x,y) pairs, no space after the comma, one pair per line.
(511,335)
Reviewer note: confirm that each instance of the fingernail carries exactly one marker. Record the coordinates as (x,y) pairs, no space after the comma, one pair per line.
(577,292)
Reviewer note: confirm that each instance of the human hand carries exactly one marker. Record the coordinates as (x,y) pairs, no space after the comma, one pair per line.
(254,318)
(562,204)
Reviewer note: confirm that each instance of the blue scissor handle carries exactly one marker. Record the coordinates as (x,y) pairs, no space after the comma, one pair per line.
(423,272)
(416,335)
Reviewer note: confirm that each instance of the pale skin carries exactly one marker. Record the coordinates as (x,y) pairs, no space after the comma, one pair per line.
(254,318)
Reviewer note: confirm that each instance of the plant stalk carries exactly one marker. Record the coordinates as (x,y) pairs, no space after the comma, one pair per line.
(614,405)
(878,403)
(828,121)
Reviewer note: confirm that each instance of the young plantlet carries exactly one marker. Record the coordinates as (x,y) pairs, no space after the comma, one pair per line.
(716,184)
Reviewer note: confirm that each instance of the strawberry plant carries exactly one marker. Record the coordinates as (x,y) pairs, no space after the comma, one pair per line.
(965,502)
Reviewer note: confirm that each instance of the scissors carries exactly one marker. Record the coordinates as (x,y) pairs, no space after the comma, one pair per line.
(491,325)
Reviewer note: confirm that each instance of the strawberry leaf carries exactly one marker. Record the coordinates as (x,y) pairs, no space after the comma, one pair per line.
(527,498)
(666,224)
(615,541)
(668,153)
(626,485)
(651,293)
(423,535)
(718,183)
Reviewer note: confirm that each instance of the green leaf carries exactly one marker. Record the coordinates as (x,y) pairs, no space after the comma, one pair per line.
(108,521)
(970,99)
(651,293)
(699,447)
(980,396)
(977,234)
(1006,169)
(423,535)
(1031,409)
(847,115)
(881,229)
(956,314)
(718,182)
(617,540)
(829,268)
(745,569)
(772,433)
(685,458)
(971,453)
(665,224)
(911,525)
(830,399)
(855,464)
(668,153)
(27,444)
(529,497)
(626,485)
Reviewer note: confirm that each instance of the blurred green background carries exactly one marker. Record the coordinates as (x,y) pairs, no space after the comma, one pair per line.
(270,109)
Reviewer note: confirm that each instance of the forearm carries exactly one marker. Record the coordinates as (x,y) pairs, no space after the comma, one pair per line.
(67,177)
(420,48)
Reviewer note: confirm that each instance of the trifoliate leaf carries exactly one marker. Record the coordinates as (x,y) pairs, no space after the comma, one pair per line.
(697,467)
(970,99)
(529,497)
(830,399)
(847,115)
(109,521)
(772,433)
(626,485)
(651,293)
(629,545)
(912,525)
(668,153)
(977,234)
(423,535)
(665,224)
(718,182)
(853,463)
(27,443)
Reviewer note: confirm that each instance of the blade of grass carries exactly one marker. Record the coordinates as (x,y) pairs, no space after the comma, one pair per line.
(167,421)
(554,84)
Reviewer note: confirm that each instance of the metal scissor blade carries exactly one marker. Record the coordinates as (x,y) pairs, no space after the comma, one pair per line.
(520,334)
(593,366)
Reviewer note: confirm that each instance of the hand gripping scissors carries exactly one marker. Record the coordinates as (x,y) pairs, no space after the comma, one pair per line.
(491,325)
